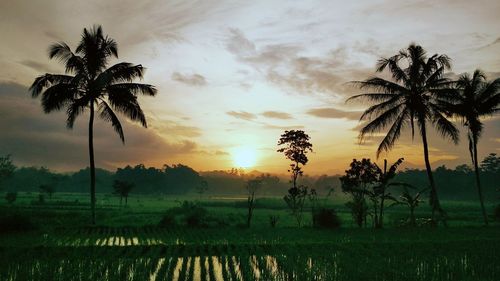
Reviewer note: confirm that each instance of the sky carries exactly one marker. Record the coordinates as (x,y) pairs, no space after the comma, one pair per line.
(233,75)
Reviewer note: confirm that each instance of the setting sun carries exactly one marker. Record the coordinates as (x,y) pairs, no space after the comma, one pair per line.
(244,157)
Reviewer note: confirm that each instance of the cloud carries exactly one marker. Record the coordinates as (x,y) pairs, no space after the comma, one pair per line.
(283,128)
(35,138)
(189,79)
(37,66)
(284,65)
(328,112)
(172,128)
(242,115)
(221,153)
(277,115)
(237,43)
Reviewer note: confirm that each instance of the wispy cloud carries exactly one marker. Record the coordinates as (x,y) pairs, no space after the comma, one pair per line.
(277,115)
(328,112)
(190,79)
(242,115)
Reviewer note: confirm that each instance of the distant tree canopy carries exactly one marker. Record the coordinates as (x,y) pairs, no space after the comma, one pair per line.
(6,167)
(122,189)
(491,163)
(456,184)
(175,179)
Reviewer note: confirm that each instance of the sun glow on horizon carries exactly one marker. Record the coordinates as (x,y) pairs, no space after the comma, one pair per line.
(244,157)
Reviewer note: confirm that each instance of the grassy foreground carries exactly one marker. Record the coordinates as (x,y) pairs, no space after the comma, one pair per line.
(128,245)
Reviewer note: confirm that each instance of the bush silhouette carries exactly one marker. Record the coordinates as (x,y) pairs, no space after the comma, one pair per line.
(15,223)
(326,218)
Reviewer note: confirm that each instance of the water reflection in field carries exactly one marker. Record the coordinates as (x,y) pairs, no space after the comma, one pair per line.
(290,266)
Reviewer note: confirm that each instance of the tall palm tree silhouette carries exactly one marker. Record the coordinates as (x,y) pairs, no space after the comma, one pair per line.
(88,84)
(411,97)
(473,99)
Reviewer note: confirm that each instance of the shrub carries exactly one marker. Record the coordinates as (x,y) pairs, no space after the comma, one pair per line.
(326,218)
(359,209)
(15,223)
(189,213)
(168,220)
(11,197)
(196,217)
(496,213)
(273,220)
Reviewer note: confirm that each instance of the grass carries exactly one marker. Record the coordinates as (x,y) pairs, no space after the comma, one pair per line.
(128,245)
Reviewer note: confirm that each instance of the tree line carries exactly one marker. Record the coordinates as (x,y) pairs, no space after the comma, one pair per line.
(181,179)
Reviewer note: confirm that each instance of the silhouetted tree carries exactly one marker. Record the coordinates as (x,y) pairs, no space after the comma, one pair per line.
(296,146)
(473,99)
(6,168)
(87,84)
(413,95)
(491,163)
(181,179)
(464,168)
(356,181)
(122,189)
(379,192)
(252,186)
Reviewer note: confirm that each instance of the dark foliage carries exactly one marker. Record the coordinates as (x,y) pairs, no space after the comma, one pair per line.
(273,220)
(122,189)
(295,145)
(410,99)
(6,167)
(496,213)
(88,84)
(167,221)
(326,218)
(188,214)
(473,99)
(15,223)
(11,197)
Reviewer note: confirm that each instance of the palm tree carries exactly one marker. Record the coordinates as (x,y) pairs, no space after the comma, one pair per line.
(475,98)
(88,84)
(411,97)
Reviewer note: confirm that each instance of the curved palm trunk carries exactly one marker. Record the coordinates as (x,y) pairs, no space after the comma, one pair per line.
(436,206)
(478,183)
(92,164)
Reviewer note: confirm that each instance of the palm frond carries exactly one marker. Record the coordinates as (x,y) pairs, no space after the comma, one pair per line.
(124,101)
(107,114)
(445,127)
(120,72)
(44,81)
(381,107)
(393,134)
(135,88)
(58,96)
(60,51)
(381,85)
(381,121)
(374,97)
(75,109)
